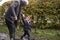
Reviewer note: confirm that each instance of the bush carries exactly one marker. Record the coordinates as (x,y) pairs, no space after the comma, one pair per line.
(45,14)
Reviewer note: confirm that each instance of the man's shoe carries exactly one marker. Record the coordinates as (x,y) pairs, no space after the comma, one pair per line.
(11,39)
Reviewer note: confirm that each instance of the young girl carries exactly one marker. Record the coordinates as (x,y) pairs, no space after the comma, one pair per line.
(27,27)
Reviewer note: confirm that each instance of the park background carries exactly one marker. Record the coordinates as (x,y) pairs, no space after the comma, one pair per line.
(45,16)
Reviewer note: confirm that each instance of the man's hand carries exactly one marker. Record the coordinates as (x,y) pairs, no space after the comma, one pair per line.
(15,17)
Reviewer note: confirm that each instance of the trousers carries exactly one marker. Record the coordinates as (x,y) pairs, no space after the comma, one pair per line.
(26,33)
(11,28)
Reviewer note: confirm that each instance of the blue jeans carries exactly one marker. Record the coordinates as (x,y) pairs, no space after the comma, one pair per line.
(26,33)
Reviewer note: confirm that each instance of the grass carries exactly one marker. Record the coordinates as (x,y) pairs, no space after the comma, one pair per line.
(46,34)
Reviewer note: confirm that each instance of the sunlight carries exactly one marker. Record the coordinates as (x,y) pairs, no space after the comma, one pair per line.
(3,1)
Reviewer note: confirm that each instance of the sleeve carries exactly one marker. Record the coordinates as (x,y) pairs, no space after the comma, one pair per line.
(14,14)
(24,21)
(13,9)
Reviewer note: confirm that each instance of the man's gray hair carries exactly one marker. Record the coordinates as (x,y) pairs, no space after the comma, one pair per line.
(25,2)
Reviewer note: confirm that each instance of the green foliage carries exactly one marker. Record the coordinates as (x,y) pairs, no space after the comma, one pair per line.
(45,13)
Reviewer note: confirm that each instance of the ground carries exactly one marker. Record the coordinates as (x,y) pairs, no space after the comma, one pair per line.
(40,34)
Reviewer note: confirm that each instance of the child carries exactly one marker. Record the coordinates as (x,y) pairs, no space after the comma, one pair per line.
(27,27)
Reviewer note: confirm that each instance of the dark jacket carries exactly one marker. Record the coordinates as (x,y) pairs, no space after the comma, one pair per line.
(27,26)
(12,12)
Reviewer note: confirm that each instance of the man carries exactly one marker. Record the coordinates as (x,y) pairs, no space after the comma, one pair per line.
(11,19)
(12,16)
